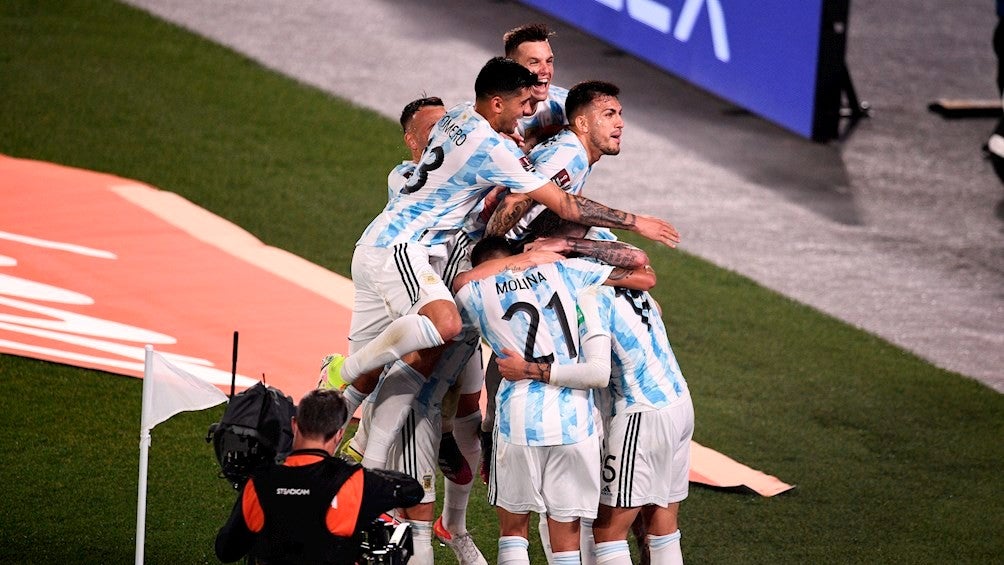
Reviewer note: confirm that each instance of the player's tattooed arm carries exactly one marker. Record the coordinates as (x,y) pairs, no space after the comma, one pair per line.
(512,367)
(592,213)
(507,214)
(642,278)
(616,253)
(585,211)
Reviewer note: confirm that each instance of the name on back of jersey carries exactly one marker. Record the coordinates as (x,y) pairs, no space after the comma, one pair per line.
(452,130)
(525,282)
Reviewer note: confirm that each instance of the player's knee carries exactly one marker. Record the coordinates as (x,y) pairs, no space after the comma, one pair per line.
(445,316)
(449,326)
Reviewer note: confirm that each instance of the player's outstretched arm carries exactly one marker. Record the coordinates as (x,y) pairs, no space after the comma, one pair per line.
(641,278)
(580,209)
(616,253)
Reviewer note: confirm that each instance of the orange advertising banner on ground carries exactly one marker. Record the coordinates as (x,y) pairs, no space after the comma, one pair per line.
(93,267)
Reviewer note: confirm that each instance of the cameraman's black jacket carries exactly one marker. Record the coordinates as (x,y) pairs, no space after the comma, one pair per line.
(311,509)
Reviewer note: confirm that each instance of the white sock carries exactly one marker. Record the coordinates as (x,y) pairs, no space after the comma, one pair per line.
(613,553)
(353,398)
(586,545)
(404,335)
(421,535)
(514,549)
(455,498)
(567,558)
(390,409)
(665,550)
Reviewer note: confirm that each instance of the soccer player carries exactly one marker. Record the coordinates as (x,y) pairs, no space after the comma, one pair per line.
(530,46)
(401,302)
(595,129)
(417,119)
(648,428)
(546,441)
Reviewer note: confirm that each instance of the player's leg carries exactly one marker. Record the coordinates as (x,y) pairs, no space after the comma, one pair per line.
(492,380)
(465,360)
(661,520)
(663,534)
(571,491)
(420,306)
(514,489)
(413,453)
(514,544)
(610,531)
(393,399)
(451,528)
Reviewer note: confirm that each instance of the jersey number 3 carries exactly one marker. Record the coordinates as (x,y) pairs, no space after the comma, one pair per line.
(432,159)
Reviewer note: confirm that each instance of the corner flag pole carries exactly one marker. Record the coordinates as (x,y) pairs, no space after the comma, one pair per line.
(144,453)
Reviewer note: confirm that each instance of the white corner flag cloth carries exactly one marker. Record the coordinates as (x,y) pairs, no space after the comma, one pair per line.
(173,390)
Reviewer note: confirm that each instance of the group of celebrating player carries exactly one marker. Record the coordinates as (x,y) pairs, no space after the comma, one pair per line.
(487,238)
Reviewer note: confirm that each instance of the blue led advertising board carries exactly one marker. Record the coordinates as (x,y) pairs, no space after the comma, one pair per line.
(759,54)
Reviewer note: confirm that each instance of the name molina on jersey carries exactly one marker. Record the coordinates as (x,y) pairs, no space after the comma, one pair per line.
(527,281)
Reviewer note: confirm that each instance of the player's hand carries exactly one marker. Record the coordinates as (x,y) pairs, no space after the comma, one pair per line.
(552,244)
(512,367)
(515,136)
(656,229)
(492,200)
(529,259)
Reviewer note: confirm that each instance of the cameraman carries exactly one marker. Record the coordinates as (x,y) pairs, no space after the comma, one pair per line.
(314,507)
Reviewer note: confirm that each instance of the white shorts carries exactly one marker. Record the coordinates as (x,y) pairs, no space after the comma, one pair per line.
(646,456)
(458,259)
(416,451)
(389,283)
(562,481)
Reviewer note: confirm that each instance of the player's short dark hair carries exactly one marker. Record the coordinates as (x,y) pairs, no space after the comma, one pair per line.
(523,34)
(321,413)
(414,106)
(503,77)
(490,248)
(582,94)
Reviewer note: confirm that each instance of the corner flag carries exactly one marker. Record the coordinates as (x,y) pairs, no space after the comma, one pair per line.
(167,390)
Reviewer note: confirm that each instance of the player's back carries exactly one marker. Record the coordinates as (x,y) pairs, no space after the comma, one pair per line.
(535,312)
(464,159)
(644,371)
(563,159)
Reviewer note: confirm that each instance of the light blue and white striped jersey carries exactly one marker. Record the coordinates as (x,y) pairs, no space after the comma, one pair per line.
(548,112)
(398,176)
(644,373)
(564,160)
(465,158)
(536,312)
